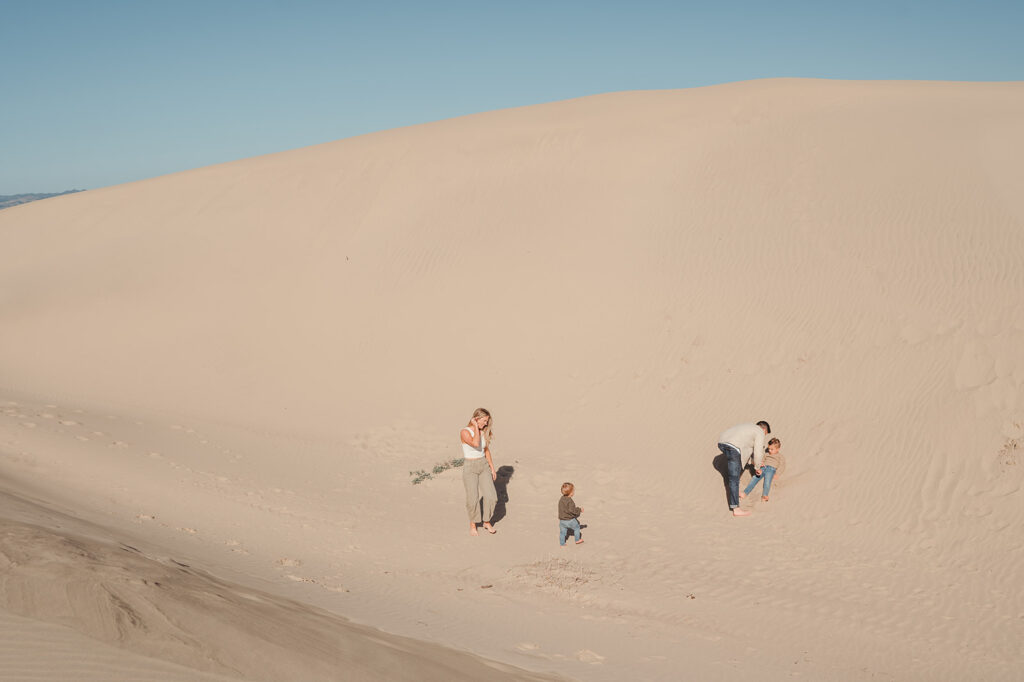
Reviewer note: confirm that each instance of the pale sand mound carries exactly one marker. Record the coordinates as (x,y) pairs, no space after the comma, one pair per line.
(243,362)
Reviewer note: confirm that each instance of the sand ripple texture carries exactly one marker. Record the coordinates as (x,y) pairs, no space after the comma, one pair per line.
(239,366)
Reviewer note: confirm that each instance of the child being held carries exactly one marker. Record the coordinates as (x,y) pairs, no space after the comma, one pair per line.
(568,515)
(771,463)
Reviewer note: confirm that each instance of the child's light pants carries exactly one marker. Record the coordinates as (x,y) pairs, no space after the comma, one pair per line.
(568,524)
(767,473)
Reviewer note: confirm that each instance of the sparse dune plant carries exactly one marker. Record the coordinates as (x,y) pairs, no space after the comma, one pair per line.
(421,475)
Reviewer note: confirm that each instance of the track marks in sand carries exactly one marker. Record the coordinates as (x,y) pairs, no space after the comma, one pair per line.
(236,547)
(126,461)
(328,583)
(556,575)
(1010,456)
(537,651)
(133,448)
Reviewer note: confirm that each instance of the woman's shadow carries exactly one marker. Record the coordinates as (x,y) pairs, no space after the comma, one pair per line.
(501,487)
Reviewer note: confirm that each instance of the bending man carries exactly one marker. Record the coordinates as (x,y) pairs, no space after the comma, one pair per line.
(738,444)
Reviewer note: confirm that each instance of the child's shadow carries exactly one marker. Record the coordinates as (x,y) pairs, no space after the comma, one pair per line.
(501,487)
(568,534)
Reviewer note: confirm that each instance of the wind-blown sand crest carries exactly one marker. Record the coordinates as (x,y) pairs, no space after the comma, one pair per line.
(242,363)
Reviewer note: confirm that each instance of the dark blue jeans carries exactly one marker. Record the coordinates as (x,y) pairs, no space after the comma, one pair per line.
(735,468)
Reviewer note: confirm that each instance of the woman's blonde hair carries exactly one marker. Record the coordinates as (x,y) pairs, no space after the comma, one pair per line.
(481,412)
(567,488)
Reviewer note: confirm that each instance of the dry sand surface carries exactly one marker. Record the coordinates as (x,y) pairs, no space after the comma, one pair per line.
(215,385)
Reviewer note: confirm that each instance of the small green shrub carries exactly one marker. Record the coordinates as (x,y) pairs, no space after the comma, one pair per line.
(420,475)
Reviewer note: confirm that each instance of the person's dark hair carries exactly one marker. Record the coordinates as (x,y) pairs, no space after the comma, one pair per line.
(774,441)
(764,425)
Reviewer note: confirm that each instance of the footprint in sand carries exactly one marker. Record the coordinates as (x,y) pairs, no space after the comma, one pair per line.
(319,582)
(29,425)
(236,547)
(190,531)
(532,649)
(334,588)
(68,422)
(288,562)
(588,656)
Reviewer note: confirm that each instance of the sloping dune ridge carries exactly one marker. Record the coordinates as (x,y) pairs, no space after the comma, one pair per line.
(239,366)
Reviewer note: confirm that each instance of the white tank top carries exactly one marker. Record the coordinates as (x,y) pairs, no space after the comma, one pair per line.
(468,451)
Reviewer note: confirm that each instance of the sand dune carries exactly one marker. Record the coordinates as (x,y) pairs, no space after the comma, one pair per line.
(167,610)
(241,363)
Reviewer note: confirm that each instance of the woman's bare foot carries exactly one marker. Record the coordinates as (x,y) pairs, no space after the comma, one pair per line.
(764,498)
(489,529)
(742,495)
(740,512)
(579,542)
(472,529)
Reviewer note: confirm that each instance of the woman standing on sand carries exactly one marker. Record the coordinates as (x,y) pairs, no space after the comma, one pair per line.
(476,437)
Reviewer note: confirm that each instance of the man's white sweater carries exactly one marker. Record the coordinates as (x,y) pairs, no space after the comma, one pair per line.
(748,439)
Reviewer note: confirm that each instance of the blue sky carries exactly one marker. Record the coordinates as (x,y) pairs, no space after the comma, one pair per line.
(100,92)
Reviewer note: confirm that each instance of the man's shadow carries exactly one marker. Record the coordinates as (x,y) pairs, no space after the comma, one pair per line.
(721,466)
(501,487)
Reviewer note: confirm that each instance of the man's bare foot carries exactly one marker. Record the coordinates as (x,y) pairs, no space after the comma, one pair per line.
(472,529)
(740,512)
(742,495)
(764,498)
(489,529)
(579,542)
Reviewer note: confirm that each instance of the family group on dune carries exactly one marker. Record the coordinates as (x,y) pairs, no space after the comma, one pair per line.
(740,445)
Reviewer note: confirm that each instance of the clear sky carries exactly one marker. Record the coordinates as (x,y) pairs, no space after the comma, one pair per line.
(100,92)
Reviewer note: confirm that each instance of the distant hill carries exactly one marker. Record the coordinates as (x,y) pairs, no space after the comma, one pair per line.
(8,200)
